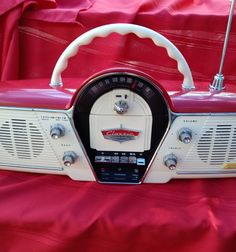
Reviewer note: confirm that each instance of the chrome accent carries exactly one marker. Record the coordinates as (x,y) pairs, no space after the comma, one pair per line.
(205,172)
(202,114)
(218,82)
(69,158)
(121,107)
(184,88)
(37,168)
(170,161)
(185,135)
(56,85)
(57,131)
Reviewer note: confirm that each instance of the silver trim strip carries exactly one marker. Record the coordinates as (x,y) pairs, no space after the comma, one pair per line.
(206,172)
(30,167)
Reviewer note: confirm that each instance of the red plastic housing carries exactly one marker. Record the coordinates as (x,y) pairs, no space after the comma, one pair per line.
(36,93)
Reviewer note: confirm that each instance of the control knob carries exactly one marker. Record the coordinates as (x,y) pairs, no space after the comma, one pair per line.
(121,107)
(69,158)
(185,135)
(170,161)
(57,131)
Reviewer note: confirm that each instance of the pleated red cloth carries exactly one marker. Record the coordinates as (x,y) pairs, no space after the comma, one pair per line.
(197,28)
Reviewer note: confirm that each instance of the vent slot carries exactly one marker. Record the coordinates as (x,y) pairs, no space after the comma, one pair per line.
(21,139)
(217,145)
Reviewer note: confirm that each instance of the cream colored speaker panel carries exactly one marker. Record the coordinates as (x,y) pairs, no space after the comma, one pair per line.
(210,148)
(41,141)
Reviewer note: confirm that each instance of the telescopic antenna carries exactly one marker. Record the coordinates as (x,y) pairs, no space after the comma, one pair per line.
(218,82)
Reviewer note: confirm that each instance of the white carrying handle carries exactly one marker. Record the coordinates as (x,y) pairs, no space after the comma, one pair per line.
(122,29)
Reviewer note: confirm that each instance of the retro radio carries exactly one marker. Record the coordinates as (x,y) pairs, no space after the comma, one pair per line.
(121,126)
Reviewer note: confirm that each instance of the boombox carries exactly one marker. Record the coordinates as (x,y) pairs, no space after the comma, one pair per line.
(120,125)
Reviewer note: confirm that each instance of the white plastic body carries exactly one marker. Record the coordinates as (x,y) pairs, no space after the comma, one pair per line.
(26,133)
(103,117)
(122,29)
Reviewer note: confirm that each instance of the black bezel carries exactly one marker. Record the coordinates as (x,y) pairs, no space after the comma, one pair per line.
(103,84)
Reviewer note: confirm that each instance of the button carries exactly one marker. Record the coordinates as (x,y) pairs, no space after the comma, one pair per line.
(132,160)
(107,159)
(98,159)
(115,159)
(140,161)
(124,159)
(102,159)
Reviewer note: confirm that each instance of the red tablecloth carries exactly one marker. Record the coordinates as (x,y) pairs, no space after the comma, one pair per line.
(55,214)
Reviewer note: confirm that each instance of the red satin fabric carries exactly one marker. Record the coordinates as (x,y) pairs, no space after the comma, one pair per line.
(197,28)
(55,214)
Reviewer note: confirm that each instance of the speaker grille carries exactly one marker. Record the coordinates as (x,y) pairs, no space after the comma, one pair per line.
(217,145)
(21,139)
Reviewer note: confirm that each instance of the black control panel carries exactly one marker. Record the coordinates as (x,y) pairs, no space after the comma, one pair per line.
(120,166)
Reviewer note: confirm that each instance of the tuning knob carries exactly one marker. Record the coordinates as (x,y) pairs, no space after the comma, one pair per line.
(57,131)
(69,158)
(121,107)
(185,135)
(170,161)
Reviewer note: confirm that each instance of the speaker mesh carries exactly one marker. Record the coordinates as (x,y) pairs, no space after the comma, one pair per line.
(21,139)
(217,145)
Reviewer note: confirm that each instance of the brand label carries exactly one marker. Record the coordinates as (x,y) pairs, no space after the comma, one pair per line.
(120,134)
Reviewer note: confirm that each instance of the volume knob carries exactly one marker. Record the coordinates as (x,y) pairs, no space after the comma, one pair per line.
(170,161)
(57,131)
(185,135)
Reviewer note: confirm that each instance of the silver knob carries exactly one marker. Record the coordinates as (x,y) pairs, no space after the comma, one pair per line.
(185,135)
(69,158)
(121,107)
(170,161)
(57,131)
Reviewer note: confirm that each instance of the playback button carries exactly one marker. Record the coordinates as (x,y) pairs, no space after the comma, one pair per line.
(132,160)
(140,161)
(115,159)
(103,159)
(124,160)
